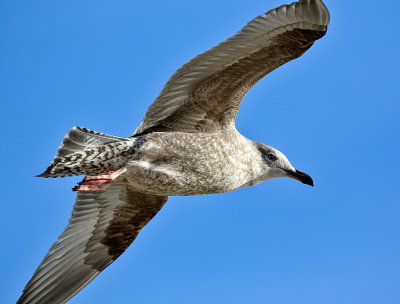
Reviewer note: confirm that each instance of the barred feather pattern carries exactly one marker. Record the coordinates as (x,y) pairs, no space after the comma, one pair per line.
(94,160)
(79,138)
(91,161)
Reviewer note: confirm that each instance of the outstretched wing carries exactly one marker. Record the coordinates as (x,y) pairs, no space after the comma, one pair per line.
(102,226)
(204,95)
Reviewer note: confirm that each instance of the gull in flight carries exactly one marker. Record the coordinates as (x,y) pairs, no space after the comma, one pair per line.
(187,144)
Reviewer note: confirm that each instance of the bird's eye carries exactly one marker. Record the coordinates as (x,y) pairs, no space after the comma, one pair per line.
(272,157)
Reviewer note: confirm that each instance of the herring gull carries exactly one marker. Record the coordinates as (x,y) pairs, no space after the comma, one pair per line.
(187,144)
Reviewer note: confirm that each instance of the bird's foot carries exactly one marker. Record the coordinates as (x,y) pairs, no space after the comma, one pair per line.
(98,182)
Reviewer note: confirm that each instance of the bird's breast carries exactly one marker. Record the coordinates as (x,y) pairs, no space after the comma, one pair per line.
(192,164)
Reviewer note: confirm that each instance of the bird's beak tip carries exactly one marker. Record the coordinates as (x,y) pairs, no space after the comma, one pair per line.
(302,177)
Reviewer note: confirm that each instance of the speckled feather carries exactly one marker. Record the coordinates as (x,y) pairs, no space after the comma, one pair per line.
(88,152)
(193,164)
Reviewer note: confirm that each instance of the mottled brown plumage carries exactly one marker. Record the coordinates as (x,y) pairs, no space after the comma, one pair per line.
(187,144)
(217,99)
(127,221)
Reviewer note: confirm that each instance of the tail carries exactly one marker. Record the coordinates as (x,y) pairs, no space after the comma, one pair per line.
(87,152)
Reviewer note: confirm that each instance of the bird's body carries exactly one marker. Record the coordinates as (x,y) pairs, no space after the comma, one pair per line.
(193,164)
(187,144)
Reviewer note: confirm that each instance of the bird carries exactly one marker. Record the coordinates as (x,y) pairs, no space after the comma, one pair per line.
(186,144)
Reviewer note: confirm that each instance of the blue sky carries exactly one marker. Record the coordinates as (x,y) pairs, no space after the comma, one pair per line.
(334,112)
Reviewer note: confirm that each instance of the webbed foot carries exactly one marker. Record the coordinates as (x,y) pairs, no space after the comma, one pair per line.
(98,182)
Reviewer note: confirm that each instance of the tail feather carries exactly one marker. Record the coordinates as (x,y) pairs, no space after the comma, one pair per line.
(87,152)
(79,138)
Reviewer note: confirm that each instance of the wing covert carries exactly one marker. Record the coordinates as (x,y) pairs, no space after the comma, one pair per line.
(204,95)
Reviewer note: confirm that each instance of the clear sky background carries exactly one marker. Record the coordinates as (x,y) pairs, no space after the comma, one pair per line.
(334,112)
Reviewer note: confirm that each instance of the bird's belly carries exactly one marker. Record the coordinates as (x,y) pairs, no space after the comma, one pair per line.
(191,164)
(184,178)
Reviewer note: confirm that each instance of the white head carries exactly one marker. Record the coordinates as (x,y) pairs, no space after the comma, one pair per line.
(275,164)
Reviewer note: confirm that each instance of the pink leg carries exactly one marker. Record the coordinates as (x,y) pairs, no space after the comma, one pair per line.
(99,182)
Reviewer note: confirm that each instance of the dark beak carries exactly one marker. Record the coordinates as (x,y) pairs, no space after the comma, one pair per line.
(301,176)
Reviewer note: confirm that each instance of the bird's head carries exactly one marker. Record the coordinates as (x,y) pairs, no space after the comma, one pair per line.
(275,164)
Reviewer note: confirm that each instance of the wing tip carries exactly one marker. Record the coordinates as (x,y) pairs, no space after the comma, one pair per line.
(311,11)
(317,11)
